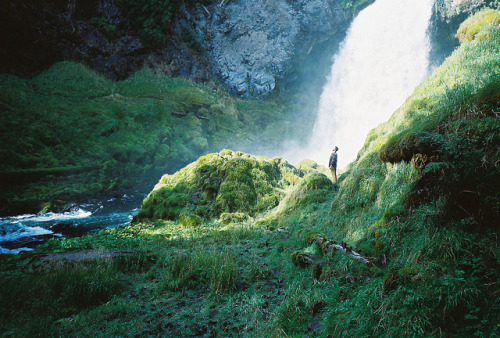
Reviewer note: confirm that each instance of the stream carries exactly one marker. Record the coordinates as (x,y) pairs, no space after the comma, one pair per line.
(26,232)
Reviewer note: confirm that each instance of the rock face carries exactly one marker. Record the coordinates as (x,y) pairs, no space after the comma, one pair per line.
(251,44)
(248,44)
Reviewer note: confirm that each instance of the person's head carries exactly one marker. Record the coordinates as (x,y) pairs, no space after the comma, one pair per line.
(335,148)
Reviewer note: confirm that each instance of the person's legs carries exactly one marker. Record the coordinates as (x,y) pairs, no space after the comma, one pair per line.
(334,175)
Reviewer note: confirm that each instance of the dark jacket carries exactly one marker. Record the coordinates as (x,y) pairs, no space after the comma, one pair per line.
(333,160)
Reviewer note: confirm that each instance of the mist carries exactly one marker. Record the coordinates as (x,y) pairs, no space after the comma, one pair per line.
(384,57)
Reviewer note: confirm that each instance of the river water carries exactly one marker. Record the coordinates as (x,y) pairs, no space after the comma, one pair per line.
(26,232)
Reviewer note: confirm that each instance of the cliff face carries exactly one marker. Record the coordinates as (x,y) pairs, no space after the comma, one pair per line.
(248,44)
(251,44)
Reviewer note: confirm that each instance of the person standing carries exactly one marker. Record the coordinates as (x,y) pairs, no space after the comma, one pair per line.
(333,165)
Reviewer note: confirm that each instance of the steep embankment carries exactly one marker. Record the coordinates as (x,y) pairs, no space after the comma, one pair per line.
(70,132)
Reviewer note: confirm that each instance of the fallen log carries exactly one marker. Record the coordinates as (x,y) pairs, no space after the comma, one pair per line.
(83,256)
(202,117)
(327,246)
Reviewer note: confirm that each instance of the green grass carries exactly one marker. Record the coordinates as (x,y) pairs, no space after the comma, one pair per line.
(121,134)
(421,201)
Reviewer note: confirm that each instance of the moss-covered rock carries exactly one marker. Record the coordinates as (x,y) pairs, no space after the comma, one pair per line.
(218,184)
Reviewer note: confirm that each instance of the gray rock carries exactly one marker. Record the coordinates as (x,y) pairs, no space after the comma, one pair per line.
(250,44)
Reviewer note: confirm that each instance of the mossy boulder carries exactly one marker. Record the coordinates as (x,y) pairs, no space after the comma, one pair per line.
(221,183)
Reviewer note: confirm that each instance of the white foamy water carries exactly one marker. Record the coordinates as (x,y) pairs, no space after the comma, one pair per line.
(18,228)
(383,58)
(25,232)
(51,216)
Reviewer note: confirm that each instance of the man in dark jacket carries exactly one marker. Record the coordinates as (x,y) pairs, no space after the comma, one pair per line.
(333,164)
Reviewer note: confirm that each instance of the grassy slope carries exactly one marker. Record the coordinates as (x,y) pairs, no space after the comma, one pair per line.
(69,131)
(422,195)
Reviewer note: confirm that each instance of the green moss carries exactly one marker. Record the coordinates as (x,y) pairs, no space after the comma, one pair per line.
(470,28)
(234,217)
(190,220)
(222,183)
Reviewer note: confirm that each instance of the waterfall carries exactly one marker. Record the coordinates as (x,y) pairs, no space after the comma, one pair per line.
(383,58)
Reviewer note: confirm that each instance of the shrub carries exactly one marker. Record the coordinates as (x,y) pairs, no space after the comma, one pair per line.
(102,25)
(152,18)
(234,217)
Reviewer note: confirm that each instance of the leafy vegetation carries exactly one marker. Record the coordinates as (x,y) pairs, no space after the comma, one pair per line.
(421,201)
(71,132)
(152,18)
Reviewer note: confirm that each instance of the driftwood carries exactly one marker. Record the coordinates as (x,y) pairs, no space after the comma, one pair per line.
(82,256)
(327,246)
(303,259)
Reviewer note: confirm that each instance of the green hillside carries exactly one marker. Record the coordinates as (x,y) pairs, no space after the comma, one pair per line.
(239,245)
(69,132)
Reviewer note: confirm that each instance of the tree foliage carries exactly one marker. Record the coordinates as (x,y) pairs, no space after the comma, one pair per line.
(152,18)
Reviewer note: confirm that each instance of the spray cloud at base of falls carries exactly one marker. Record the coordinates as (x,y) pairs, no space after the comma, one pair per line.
(381,61)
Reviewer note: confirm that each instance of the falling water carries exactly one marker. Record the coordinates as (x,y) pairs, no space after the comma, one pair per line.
(382,60)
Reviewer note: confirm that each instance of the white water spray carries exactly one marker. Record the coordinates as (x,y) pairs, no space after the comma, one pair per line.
(382,60)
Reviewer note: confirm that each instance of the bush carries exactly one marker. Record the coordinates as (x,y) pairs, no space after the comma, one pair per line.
(190,220)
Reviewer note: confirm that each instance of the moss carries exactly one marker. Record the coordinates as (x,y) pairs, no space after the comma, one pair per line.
(470,28)
(223,183)
(235,217)
(190,220)
(120,134)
